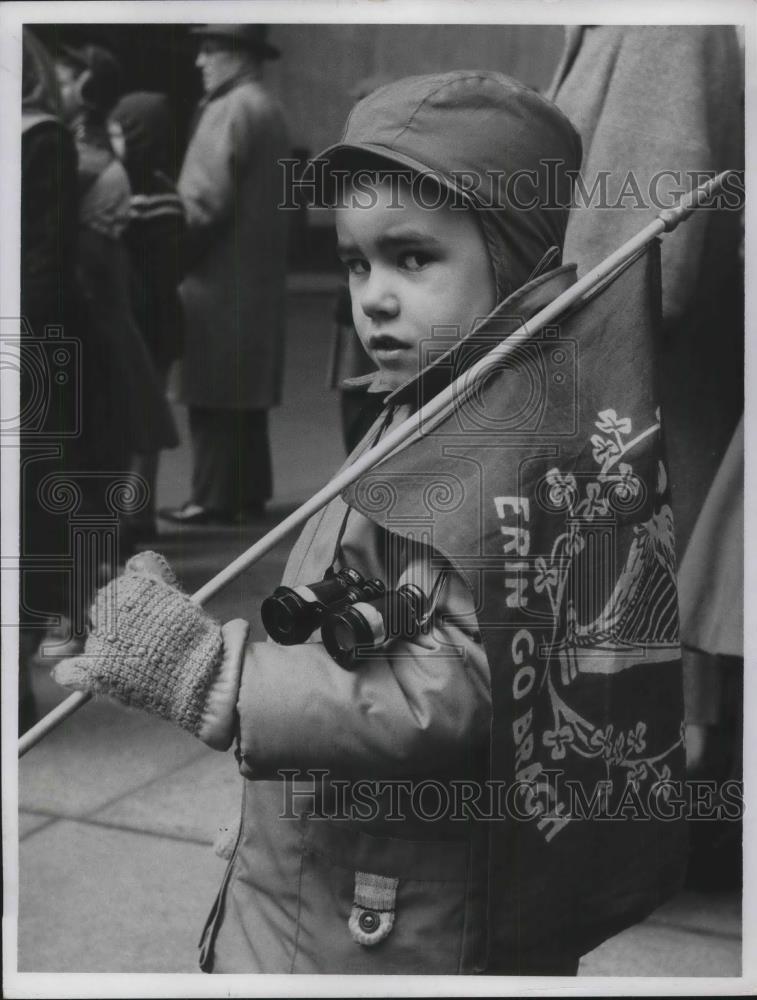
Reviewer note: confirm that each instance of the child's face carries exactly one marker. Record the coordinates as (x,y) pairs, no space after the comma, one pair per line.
(410,268)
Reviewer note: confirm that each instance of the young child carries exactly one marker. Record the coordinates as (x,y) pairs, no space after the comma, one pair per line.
(325,878)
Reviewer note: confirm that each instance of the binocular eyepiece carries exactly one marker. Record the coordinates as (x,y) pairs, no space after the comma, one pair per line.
(366,624)
(291,614)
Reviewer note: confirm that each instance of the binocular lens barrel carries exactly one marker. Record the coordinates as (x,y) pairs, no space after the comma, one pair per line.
(291,614)
(367,624)
(363,627)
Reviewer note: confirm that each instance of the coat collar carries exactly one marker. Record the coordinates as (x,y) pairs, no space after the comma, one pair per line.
(246,76)
(516,309)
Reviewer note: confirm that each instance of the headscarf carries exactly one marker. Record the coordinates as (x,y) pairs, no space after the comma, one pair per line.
(147,127)
(99,77)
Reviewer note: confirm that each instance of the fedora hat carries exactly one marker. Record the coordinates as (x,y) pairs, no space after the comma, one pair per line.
(249,36)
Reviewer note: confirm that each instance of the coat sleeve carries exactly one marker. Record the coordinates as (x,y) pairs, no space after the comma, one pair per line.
(422,706)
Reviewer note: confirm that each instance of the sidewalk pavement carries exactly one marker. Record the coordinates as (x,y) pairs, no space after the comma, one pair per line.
(119,811)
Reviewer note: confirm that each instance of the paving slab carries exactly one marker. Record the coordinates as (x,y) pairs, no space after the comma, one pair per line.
(710,912)
(28,822)
(102,753)
(192,802)
(103,900)
(650,949)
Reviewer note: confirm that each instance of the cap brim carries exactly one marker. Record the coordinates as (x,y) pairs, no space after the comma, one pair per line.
(331,155)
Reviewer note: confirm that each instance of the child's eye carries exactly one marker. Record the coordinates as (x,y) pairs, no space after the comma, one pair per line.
(356,266)
(414,260)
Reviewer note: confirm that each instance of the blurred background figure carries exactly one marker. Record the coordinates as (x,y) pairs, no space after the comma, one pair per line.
(234,289)
(48,298)
(668,101)
(133,415)
(711,593)
(154,238)
(649,101)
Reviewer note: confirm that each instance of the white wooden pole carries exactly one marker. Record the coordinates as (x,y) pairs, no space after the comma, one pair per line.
(453,395)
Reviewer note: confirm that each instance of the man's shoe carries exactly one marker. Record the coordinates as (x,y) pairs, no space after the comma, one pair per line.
(191,513)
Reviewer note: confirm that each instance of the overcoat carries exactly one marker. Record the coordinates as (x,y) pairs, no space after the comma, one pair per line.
(234,291)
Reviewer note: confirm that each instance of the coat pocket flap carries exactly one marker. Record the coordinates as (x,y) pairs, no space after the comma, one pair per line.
(373,908)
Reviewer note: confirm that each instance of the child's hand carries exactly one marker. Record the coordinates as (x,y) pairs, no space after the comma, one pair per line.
(151,647)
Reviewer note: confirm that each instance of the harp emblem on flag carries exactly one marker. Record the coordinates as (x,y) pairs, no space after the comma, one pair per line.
(607,620)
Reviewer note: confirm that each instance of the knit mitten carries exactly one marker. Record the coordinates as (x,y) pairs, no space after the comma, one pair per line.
(153,648)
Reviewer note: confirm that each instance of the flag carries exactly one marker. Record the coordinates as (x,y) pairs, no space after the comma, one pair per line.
(547,489)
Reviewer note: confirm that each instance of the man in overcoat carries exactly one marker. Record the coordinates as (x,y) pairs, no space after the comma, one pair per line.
(234,290)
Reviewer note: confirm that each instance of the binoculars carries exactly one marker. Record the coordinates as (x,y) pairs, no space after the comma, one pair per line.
(291,614)
(352,613)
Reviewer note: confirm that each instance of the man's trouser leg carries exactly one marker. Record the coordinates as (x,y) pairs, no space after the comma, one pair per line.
(232,459)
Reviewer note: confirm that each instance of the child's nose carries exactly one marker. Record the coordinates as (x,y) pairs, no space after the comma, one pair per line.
(377,295)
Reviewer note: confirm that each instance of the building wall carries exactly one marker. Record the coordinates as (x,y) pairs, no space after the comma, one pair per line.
(322,63)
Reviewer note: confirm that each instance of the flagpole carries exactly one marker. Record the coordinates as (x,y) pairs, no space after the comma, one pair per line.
(451,396)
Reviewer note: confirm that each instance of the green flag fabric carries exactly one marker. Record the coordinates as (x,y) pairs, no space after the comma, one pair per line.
(547,488)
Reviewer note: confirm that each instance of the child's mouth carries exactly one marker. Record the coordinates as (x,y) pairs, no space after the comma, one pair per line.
(386,347)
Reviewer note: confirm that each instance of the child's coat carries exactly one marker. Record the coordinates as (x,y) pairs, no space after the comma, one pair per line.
(290,901)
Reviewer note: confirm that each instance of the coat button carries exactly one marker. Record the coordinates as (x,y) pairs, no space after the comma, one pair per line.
(368,921)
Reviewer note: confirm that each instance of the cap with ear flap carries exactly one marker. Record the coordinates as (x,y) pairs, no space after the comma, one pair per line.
(100,83)
(506,150)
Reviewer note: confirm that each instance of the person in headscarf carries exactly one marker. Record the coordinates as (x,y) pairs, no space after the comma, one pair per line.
(48,196)
(138,417)
(155,240)
(48,298)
